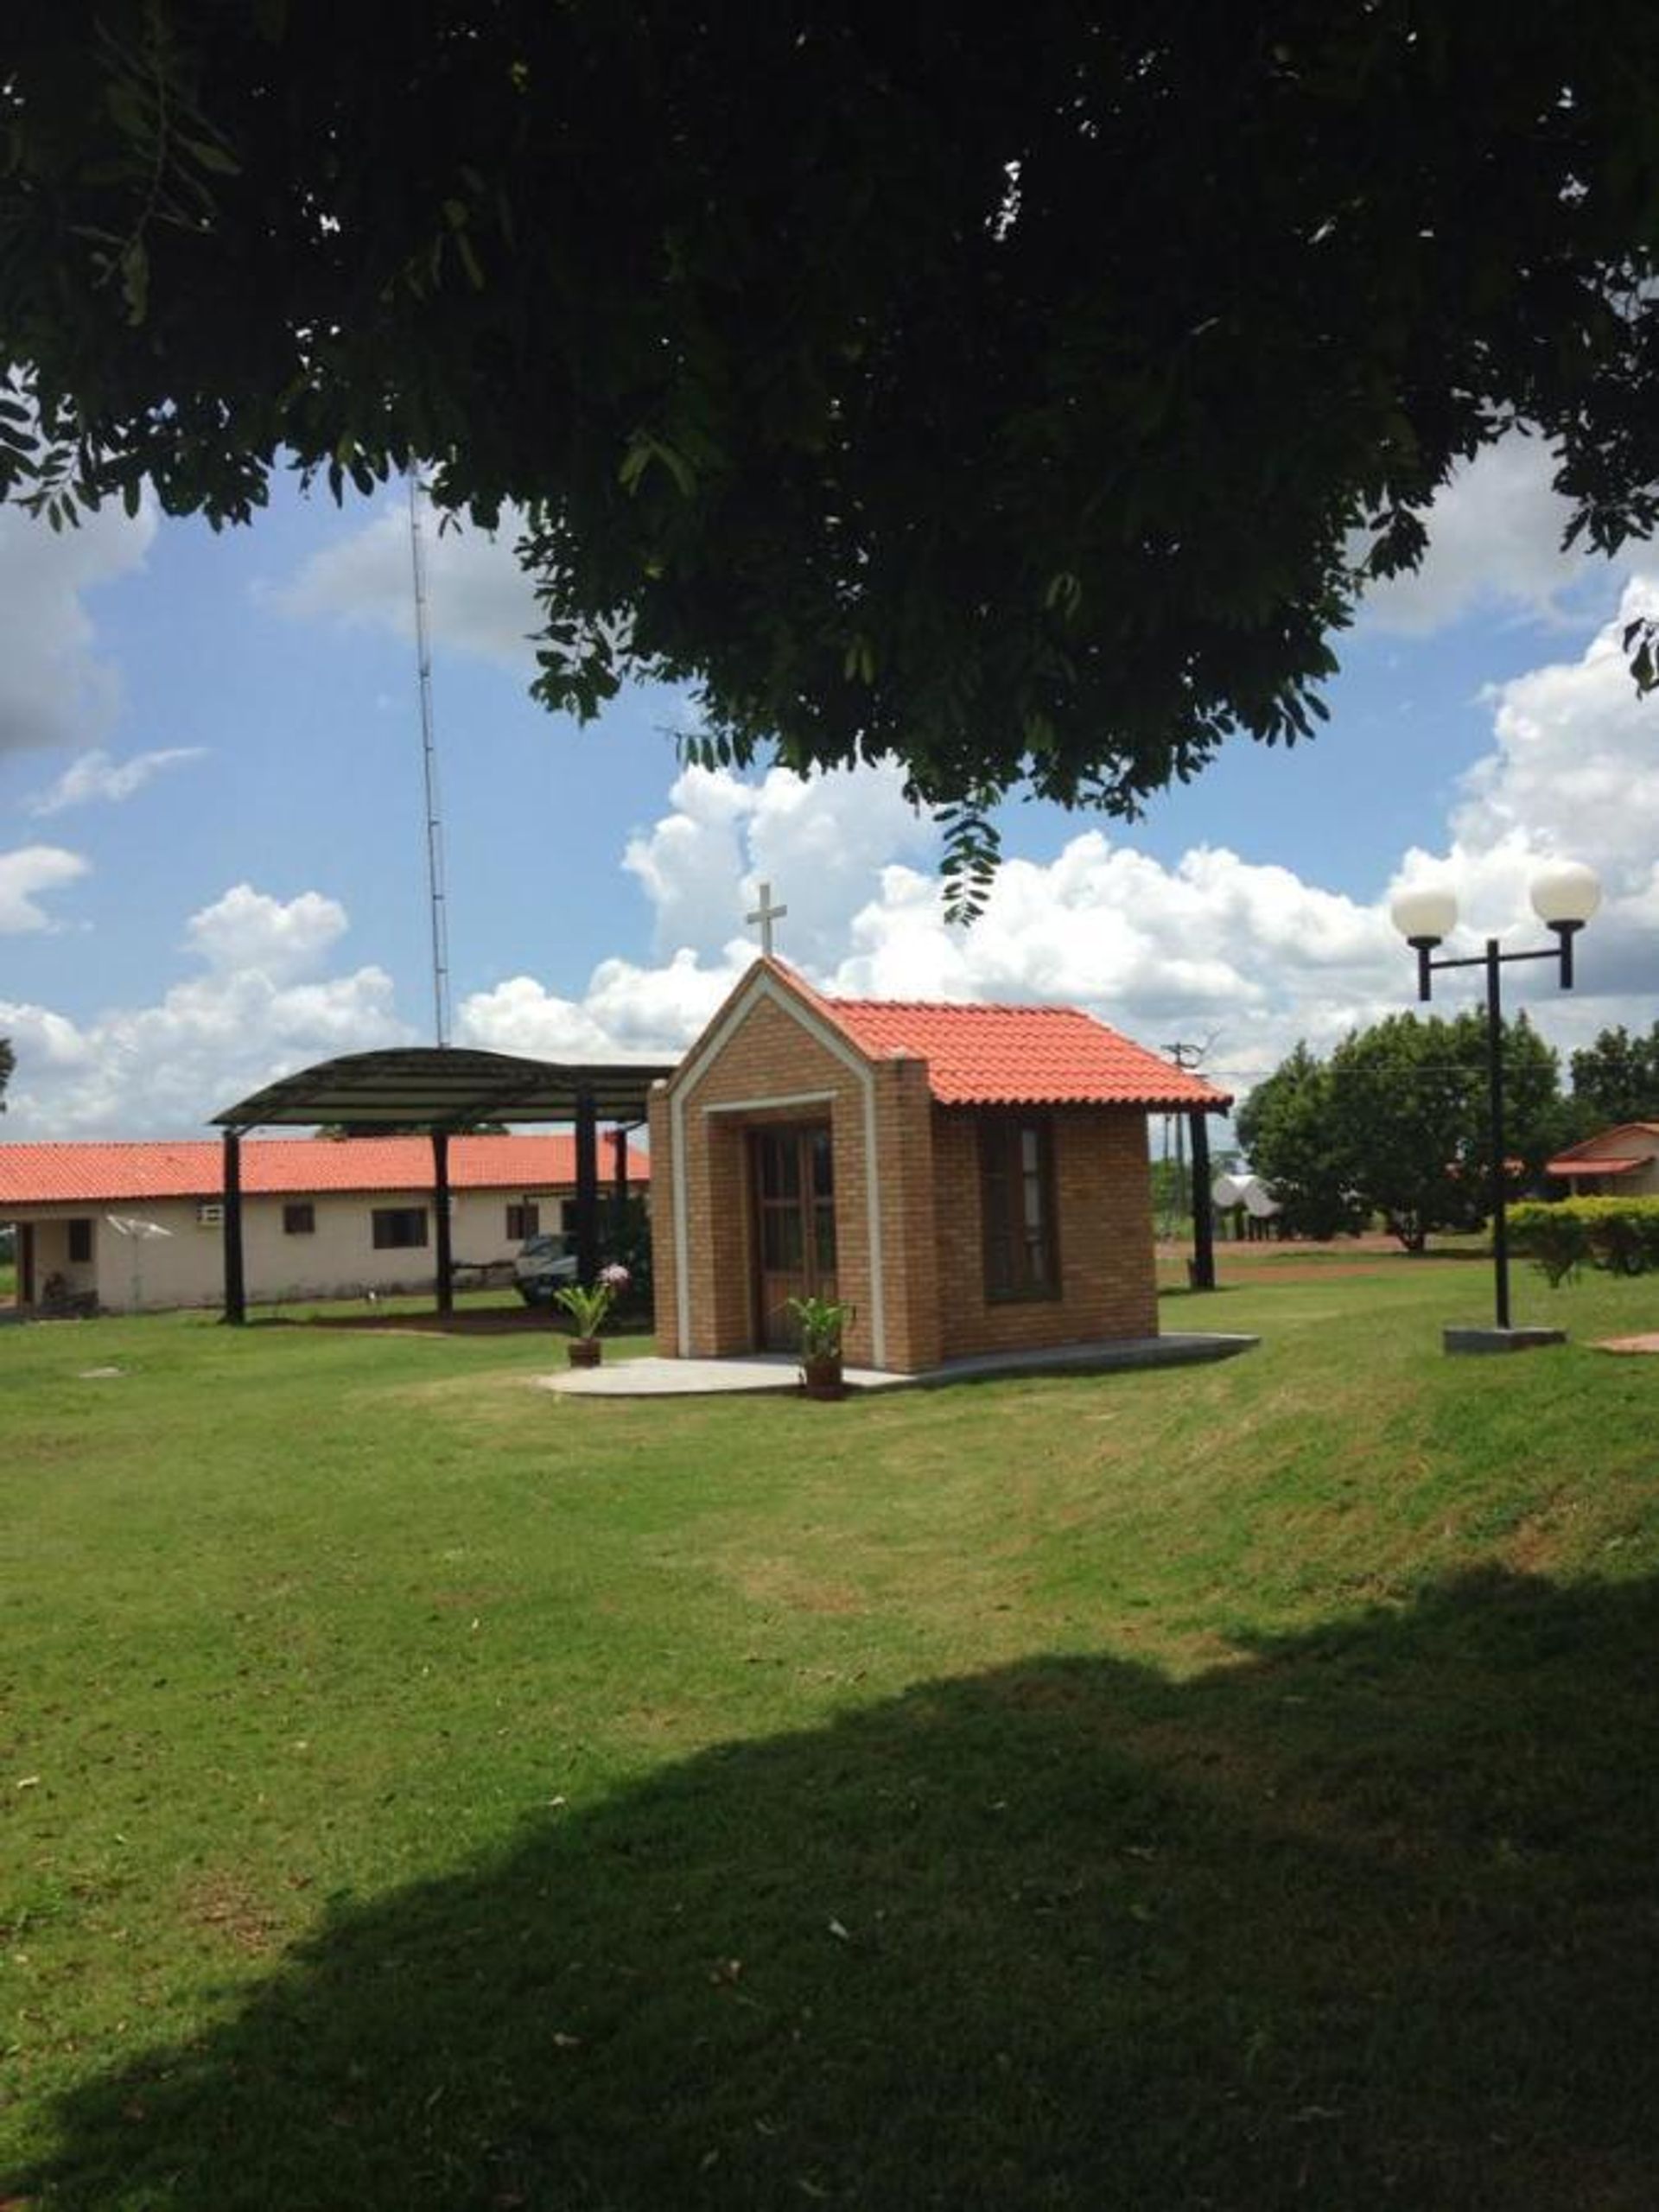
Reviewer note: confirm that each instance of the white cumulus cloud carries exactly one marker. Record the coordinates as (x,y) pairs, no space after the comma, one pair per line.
(820,841)
(479,598)
(25,873)
(98,775)
(249,930)
(54,688)
(255,1012)
(1495,534)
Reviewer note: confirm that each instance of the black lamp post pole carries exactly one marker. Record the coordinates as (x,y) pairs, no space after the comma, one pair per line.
(1495,1095)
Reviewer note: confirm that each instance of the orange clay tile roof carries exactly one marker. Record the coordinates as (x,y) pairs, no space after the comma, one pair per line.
(1608,1164)
(1581,1158)
(95,1174)
(1018,1055)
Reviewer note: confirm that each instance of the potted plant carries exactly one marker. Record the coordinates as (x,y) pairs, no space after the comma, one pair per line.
(587,1308)
(823,1323)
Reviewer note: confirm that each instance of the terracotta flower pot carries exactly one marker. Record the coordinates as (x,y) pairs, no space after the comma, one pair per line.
(821,1375)
(585,1351)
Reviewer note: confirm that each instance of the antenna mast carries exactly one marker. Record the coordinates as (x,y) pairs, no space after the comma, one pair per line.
(436,897)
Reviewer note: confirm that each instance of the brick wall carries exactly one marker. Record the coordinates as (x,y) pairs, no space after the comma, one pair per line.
(1103,1205)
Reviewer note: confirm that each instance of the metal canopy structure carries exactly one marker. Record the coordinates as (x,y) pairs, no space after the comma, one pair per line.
(444,1087)
(444,1090)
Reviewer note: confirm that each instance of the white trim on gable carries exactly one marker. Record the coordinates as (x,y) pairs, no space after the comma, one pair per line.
(686,1081)
(771,1105)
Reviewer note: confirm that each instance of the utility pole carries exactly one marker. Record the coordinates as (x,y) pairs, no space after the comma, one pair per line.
(1202,1267)
(1187,1058)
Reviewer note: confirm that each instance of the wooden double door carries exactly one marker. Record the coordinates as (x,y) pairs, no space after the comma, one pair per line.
(793,1170)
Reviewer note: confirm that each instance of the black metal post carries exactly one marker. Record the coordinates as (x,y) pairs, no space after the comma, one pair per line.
(236,1293)
(1203,1241)
(446,1287)
(1495,1091)
(587,1187)
(619,1191)
(1565,933)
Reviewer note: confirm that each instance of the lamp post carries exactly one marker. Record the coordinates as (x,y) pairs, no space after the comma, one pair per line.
(1564,897)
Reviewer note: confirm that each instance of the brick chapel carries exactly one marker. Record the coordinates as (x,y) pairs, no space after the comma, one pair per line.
(969,1179)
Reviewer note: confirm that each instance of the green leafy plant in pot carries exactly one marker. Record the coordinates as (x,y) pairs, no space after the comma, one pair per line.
(587,1308)
(823,1323)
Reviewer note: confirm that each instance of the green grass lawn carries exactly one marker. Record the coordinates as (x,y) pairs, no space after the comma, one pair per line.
(1229,1787)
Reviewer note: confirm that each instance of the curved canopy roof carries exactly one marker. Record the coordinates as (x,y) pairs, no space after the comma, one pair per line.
(444,1087)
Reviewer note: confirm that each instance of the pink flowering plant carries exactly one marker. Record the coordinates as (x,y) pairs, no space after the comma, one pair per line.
(587,1308)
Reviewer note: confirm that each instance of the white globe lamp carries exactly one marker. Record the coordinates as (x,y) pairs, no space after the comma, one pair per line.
(1565,895)
(1425,916)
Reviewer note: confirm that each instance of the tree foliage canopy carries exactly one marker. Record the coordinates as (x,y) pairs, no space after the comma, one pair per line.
(1289,1133)
(1616,1079)
(7,1062)
(1025,394)
(1396,1124)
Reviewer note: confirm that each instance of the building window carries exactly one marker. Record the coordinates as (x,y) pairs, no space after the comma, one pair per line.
(81,1244)
(300,1220)
(398,1228)
(523,1221)
(1016,1174)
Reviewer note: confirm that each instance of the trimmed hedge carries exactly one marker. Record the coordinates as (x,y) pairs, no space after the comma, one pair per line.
(1621,1234)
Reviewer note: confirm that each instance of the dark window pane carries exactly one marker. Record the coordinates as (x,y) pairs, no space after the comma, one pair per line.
(398,1228)
(781,1241)
(299,1220)
(823,1165)
(1017,1198)
(780,1167)
(80,1243)
(824,1238)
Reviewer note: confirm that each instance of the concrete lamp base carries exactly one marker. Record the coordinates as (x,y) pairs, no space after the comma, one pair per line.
(1500,1339)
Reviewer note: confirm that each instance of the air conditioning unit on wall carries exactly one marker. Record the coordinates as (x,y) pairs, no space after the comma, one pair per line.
(209,1214)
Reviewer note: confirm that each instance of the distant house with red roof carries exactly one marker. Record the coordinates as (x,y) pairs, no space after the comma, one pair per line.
(969,1179)
(116,1226)
(1622,1162)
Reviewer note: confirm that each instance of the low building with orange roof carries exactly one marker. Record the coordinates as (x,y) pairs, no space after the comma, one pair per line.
(1619,1162)
(114,1227)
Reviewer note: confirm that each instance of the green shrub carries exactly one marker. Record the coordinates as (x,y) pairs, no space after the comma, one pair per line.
(1619,1235)
(1553,1236)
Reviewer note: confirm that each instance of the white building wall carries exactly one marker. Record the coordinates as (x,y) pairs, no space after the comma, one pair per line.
(337,1259)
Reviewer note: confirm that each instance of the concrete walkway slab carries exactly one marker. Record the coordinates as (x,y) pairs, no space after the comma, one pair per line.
(779,1372)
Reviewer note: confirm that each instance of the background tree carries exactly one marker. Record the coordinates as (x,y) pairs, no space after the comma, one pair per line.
(1026,395)
(1396,1124)
(7,1062)
(1412,1107)
(1287,1127)
(1616,1079)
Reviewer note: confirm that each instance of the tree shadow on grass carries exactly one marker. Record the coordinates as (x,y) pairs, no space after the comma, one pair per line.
(1366,1918)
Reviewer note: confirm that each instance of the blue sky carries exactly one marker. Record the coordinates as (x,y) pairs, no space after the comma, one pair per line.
(210,828)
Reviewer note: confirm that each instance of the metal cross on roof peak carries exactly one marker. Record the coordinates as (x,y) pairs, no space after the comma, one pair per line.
(765,914)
